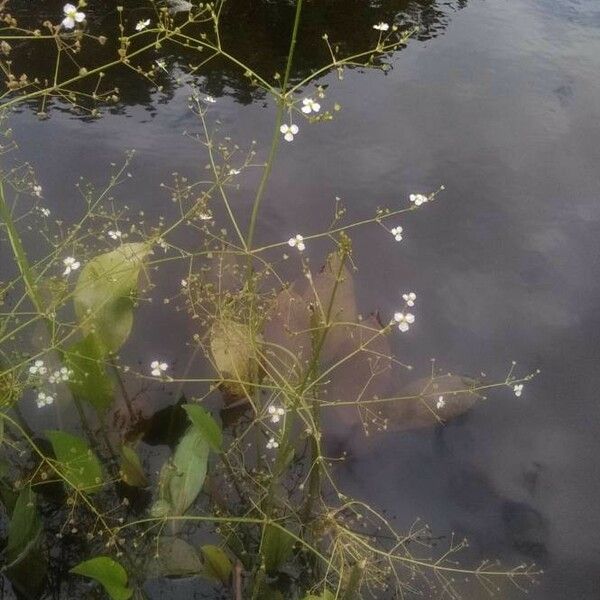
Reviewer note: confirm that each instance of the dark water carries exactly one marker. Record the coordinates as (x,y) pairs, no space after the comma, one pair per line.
(499,101)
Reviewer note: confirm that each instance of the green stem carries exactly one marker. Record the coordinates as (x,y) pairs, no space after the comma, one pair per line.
(276,133)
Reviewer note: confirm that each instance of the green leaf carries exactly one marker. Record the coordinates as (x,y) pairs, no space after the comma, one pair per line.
(277,545)
(103,296)
(76,461)
(326,595)
(203,421)
(181,478)
(131,468)
(109,573)
(25,527)
(176,558)
(234,355)
(90,381)
(216,563)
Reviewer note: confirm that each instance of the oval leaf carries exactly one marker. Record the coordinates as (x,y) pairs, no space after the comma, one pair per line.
(76,461)
(109,573)
(234,355)
(181,478)
(131,468)
(203,421)
(216,563)
(176,558)
(277,545)
(103,296)
(90,381)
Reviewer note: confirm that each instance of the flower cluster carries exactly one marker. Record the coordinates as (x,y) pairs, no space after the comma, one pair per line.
(72,16)
(404,320)
(61,375)
(297,242)
(276,413)
(71,264)
(115,234)
(141,25)
(518,389)
(289,131)
(409,298)
(397,233)
(440,403)
(272,444)
(158,368)
(309,105)
(44,399)
(381,26)
(418,199)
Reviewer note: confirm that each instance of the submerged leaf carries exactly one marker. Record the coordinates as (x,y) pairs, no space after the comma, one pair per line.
(287,332)
(176,558)
(332,295)
(216,563)
(418,405)
(109,573)
(131,468)
(103,294)
(76,461)
(234,355)
(277,545)
(203,421)
(25,526)
(90,381)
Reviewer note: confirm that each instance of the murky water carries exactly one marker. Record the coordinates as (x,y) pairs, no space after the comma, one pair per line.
(499,101)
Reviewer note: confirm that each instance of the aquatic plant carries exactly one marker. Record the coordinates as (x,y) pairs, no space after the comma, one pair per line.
(248,501)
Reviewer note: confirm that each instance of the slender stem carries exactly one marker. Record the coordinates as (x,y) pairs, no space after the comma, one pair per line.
(276,133)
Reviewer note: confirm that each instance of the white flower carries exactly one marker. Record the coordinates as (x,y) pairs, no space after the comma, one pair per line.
(44,211)
(37,191)
(38,368)
(404,320)
(205,216)
(409,298)
(309,105)
(298,242)
(63,374)
(158,368)
(276,413)
(381,26)
(289,131)
(184,283)
(518,389)
(115,234)
(418,199)
(142,25)
(72,16)
(440,403)
(272,444)
(44,399)
(70,265)
(234,171)
(397,233)
(209,99)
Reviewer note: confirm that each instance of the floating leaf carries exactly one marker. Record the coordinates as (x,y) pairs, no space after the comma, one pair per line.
(234,355)
(182,477)
(109,573)
(90,381)
(131,468)
(277,545)
(76,461)
(216,563)
(103,296)
(176,558)
(203,421)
